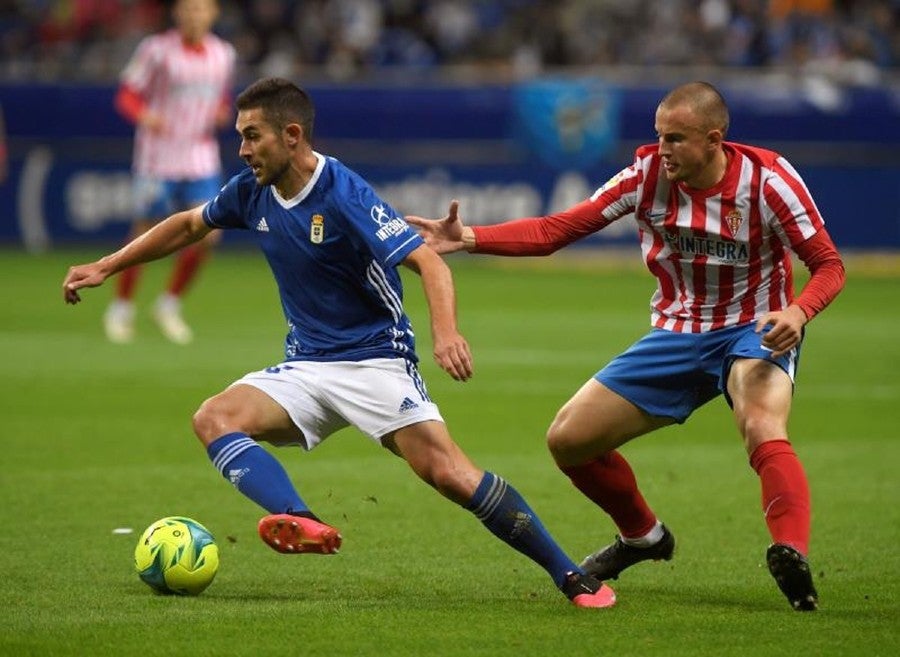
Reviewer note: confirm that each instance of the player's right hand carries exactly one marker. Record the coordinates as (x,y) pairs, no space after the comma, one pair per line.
(443,235)
(80,276)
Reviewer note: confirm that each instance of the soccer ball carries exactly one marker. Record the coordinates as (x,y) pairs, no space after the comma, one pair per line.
(177,555)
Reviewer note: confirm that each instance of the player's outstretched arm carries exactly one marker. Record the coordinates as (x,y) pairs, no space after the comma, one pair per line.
(179,230)
(446,235)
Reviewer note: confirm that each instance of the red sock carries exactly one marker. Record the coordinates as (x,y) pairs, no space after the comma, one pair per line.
(127,282)
(609,482)
(186,266)
(785,493)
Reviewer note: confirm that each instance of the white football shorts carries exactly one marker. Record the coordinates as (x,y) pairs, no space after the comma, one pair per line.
(377,396)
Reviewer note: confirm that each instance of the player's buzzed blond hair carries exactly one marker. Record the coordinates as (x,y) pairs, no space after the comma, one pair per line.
(704,100)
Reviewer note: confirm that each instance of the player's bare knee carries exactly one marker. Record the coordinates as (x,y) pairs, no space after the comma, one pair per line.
(759,421)
(213,419)
(560,440)
(757,426)
(202,421)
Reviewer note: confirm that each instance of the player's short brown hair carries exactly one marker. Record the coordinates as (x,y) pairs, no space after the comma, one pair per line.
(282,103)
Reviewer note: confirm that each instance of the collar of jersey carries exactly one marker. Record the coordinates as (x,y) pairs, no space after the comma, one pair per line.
(303,193)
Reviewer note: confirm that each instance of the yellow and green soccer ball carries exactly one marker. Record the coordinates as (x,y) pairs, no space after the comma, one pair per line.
(177,555)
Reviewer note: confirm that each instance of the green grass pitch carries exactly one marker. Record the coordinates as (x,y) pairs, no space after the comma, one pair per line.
(98,436)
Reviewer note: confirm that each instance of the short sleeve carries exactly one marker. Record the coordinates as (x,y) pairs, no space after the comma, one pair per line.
(382,228)
(229,208)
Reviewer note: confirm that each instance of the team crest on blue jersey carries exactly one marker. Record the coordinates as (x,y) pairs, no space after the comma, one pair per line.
(317,229)
(734,221)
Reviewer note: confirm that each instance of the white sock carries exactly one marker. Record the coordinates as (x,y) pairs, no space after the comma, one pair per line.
(652,537)
(121,308)
(168,302)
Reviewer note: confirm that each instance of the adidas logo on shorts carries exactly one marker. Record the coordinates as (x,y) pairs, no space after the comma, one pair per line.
(407,405)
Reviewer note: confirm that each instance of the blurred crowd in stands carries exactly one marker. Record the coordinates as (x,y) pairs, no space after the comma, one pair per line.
(853,41)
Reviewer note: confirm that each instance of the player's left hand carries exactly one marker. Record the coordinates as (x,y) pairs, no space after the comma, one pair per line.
(786,332)
(452,355)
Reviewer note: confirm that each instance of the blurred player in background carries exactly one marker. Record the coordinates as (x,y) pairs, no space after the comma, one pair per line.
(177,91)
(717,222)
(334,248)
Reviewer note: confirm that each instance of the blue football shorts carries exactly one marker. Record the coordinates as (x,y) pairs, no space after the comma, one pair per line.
(672,374)
(157,198)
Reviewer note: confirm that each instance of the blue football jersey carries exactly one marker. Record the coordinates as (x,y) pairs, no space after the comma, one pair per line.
(334,251)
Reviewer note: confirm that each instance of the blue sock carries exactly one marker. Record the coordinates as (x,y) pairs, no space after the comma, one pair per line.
(255,473)
(508,517)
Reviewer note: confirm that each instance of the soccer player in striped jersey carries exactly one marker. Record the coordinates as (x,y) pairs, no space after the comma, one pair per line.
(176,89)
(334,247)
(717,222)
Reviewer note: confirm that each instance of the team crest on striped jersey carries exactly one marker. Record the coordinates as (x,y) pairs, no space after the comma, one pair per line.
(734,219)
(317,229)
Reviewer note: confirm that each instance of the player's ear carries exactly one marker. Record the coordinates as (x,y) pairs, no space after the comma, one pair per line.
(293,134)
(715,138)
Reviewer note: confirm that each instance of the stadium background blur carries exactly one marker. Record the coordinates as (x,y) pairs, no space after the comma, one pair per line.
(514,106)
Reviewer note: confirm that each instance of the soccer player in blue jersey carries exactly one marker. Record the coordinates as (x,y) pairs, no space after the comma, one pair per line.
(334,247)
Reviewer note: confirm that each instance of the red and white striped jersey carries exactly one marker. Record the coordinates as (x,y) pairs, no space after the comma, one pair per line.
(721,256)
(186,86)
